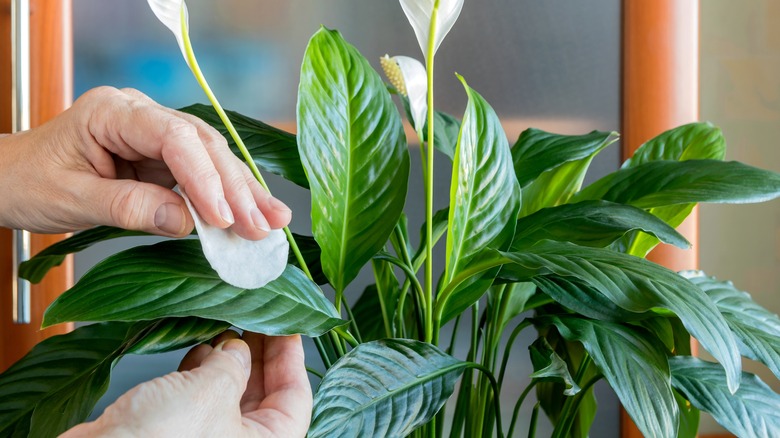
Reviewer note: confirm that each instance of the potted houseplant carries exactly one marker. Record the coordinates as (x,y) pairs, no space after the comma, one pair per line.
(521,234)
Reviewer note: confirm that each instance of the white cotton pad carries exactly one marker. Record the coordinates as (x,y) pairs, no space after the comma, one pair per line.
(248,264)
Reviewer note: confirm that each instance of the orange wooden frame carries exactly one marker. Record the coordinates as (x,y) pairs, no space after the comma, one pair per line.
(660,91)
(51,83)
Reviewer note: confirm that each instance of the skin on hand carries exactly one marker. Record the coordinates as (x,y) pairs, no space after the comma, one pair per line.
(218,392)
(112,159)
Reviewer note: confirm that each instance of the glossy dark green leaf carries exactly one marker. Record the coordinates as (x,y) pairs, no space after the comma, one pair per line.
(384,388)
(272,149)
(550,167)
(662,183)
(581,298)
(591,223)
(79,362)
(39,265)
(173,279)
(56,385)
(484,200)
(634,284)
(548,366)
(551,393)
(354,150)
(368,315)
(635,366)
(311,253)
(694,141)
(445,130)
(757,328)
(753,411)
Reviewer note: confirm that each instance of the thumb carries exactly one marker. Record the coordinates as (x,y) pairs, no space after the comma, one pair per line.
(140,206)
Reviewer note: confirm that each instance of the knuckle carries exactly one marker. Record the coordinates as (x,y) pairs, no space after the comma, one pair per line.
(126,206)
(176,130)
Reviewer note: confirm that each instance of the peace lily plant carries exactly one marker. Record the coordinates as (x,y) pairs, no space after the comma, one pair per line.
(527,247)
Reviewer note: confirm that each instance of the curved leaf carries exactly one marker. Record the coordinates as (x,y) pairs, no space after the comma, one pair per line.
(445,129)
(354,152)
(757,328)
(635,367)
(39,265)
(173,279)
(484,200)
(311,253)
(694,141)
(272,149)
(56,385)
(591,223)
(634,284)
(753,411)
(551,167)
(579,297)
(662,183)
(384,388)
(548,366)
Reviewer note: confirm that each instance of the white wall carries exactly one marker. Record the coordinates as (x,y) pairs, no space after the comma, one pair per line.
(740,92)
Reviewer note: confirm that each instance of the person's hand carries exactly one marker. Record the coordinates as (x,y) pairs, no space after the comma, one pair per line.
(112,158)
(214,395)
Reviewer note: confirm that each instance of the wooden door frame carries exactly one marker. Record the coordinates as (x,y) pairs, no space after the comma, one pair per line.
(660,91)
(51,92)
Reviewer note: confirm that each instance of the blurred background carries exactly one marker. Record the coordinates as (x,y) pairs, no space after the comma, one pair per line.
(554,65)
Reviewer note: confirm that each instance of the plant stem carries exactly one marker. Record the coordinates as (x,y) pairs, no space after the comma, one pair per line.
(571,404)
(496,402)
(508,350)
(195,68)
(353,324)
(429,179)
(534,418)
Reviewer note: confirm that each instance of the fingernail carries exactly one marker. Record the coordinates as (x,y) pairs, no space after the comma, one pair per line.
(235,348)
(225,212)
(259,220)
(169,218)
(278,205)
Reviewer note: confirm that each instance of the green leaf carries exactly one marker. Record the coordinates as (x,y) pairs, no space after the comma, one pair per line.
(38,266)
(368,315)
(591,223)
(173,279)
(634,365)
(757,328)
(581,298)
(56,385)
(689,417)
(311,253)
(384,388)
(514,298)
(634,284)
(548,366)
(662,183)
(694,141)
(753,411)
(550,167)
(484,200)
(354,151)
(445,130)
(272,149)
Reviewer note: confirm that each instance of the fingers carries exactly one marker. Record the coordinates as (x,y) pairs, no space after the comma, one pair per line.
(133,205)
(133,127)
(285,409)
(194,357)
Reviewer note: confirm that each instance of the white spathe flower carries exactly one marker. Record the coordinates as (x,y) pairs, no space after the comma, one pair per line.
(173,14)
(419,12)
(408,77)
(246,264)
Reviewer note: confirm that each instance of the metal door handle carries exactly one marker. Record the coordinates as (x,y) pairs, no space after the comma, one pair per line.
(20,46)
